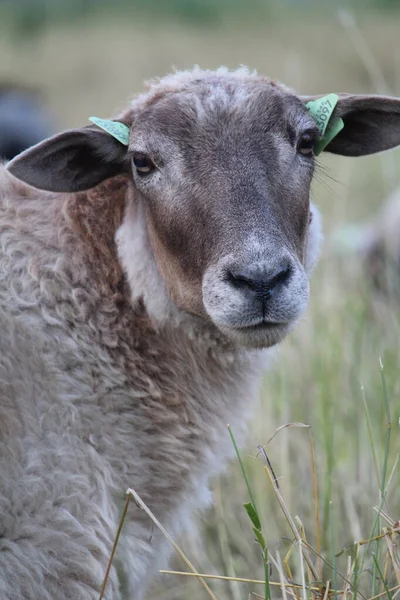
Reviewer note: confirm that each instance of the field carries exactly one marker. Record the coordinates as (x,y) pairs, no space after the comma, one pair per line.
(329,370)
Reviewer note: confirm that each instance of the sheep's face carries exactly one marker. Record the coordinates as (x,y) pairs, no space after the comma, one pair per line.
(221,164)
(223,171)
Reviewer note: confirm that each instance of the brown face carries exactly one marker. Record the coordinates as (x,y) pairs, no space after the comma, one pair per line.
(224,177)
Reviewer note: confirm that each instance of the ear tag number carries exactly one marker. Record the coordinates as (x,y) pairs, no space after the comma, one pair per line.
(118,130)
(321,111)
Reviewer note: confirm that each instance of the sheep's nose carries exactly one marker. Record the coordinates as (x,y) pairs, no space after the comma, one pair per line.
(261,283)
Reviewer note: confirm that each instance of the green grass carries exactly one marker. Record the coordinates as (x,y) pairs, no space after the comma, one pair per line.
(329,370)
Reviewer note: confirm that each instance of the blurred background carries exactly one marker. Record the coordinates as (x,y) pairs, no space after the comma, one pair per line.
(64,60)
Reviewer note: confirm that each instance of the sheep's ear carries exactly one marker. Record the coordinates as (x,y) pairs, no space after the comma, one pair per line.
(371,124)
(71,161)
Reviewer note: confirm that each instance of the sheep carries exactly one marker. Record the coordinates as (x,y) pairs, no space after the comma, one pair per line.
(143,290)
(23,120)
(376,243)
(381,248)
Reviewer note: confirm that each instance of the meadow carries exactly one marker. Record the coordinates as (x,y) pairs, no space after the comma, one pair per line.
(338,373)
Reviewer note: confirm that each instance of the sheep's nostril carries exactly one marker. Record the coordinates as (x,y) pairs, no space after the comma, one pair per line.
(281,277)
(239,280)
(262,284)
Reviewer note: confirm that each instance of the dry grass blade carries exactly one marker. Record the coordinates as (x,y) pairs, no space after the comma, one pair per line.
(295,424)
(217,577)
(326,590)
(261,451)
(288,570)
(287,584)
(381,594)
(291,522)
(278,566)
(386,518)
(386,566)
(157,523)
(393,557)
(303,579)
(304,539)
(103,587)
(378,537)
(316,503)
(349,572)
(282,576)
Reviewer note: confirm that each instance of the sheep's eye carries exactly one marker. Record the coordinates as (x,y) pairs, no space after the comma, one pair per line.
(306,145)
(143,164)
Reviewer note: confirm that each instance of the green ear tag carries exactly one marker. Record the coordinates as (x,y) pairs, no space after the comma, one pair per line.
(118,130)
(321,111)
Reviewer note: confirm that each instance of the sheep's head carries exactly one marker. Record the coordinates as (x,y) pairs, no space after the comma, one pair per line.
(221,165)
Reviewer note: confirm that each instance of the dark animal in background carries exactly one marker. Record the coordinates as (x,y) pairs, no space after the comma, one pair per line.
(23,120)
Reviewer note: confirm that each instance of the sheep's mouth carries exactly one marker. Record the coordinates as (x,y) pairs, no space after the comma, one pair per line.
(263,326)
(259,335)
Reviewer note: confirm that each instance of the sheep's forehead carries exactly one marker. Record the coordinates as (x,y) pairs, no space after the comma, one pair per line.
(195,78)
(207,105)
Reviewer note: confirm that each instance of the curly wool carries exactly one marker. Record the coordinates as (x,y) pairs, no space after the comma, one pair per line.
(95,399)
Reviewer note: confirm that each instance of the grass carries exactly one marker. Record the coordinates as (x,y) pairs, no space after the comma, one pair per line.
(332,474)
(365,568)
